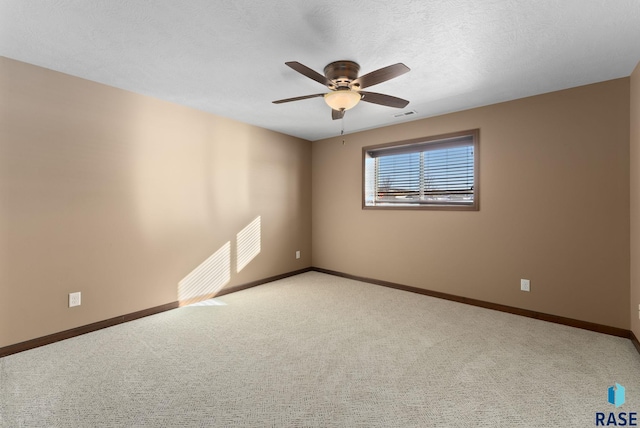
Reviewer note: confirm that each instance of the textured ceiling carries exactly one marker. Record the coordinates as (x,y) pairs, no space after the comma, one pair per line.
(228,58)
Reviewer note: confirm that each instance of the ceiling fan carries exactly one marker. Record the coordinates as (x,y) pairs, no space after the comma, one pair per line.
(341,77)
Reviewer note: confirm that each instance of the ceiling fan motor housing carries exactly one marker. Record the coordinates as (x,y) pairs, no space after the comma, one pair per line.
(342,73)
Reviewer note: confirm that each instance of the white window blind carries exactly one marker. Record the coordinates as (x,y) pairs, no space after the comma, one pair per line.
(439,172)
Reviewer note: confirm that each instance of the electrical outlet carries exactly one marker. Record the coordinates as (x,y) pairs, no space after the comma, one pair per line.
(525,285)
(298,254)
(74,299)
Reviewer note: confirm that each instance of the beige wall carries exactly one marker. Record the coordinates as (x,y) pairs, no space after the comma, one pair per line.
(635,200)
(554,208)
(120,196)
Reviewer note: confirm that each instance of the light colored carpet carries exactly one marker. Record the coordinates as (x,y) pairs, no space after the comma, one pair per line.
(318,350)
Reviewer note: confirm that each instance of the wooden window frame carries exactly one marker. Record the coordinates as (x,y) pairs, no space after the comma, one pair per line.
(413,145)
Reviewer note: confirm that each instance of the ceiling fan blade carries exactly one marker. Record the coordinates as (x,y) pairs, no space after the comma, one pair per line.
(380,75)
(337,114)
(384,100)
(304,97)
(311,74)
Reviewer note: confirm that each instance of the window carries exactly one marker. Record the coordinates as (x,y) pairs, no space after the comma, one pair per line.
(438,172)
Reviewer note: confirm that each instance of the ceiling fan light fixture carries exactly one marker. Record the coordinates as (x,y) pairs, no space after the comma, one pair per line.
(342,99)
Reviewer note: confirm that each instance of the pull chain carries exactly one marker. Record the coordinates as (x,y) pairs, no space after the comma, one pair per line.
(342,130)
